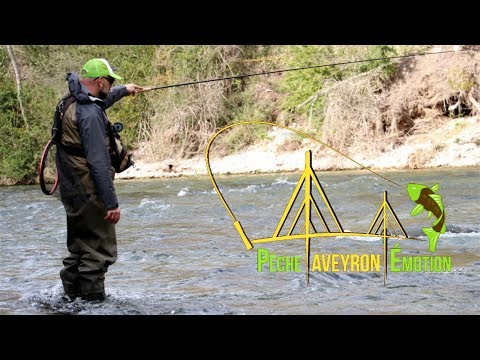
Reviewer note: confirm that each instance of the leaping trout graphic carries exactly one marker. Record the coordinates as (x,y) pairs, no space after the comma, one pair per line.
(427,198)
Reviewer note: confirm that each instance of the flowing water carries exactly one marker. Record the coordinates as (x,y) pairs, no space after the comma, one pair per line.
(179,253)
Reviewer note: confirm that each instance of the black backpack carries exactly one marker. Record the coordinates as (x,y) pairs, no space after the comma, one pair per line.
(58,117)
(120,158)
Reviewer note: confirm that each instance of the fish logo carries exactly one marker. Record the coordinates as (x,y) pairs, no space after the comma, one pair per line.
(428,199)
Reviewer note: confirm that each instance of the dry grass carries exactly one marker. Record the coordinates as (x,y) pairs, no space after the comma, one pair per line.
(367,114)
(352,112)
(428,89)
(363,114)
(419,158)
(184,131)
(183,118)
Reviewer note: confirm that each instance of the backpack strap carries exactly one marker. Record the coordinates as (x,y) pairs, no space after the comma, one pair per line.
(60,111)
(119,156)
(58,117)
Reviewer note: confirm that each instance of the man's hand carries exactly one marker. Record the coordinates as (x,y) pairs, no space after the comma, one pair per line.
(112,216)
(133,89)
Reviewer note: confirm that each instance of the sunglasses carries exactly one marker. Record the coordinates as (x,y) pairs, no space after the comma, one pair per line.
(110,79)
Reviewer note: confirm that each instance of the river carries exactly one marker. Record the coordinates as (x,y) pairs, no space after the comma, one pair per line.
(179,252)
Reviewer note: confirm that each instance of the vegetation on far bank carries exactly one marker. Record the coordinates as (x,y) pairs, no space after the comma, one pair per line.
(343,105)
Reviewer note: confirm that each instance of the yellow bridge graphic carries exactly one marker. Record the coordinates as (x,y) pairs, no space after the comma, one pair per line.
(381,226)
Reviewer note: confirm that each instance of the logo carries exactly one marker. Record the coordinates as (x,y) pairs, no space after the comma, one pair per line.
(309,223)
(427,199)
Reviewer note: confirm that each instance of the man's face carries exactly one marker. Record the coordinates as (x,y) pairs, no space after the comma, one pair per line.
(105,84)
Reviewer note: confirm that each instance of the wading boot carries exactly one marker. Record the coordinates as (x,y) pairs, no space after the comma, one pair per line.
(96,296)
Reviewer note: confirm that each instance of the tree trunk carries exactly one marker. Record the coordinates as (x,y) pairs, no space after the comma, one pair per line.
(19,84)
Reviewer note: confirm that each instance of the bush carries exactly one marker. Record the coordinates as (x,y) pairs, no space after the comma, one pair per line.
(305,90)
(176,122)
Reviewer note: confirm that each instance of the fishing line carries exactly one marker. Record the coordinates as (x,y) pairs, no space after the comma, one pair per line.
(149,88)
(301,133)
(207,149)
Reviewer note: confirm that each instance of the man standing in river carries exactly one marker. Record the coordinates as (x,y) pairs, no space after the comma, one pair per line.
(86,178)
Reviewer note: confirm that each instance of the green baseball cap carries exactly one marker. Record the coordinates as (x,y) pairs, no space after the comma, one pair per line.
(97,67)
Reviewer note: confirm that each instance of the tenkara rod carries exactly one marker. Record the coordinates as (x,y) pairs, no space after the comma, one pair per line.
(149,88)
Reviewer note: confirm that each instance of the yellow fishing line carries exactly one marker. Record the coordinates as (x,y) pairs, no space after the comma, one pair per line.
(301,133)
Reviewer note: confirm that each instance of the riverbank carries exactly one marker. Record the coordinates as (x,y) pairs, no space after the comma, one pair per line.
(453,143)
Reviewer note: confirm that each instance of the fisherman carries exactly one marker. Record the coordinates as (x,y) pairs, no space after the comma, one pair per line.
(86,178)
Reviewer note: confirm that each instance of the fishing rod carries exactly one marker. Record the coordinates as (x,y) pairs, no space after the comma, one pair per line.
(149,88)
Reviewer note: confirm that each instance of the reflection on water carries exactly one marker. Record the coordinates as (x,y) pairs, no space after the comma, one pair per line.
(179,252)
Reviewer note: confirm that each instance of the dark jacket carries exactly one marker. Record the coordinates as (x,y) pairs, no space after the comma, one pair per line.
(85,127)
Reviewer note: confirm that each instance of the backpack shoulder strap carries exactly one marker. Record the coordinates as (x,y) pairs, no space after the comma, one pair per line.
(60,110)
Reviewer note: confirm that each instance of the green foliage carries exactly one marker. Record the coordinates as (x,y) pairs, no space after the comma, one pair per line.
(460,79)
(19,154)
(43,70)
(17,149)
(382,53)
(186,115)
(303,89)
(9,110)
(197,109)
